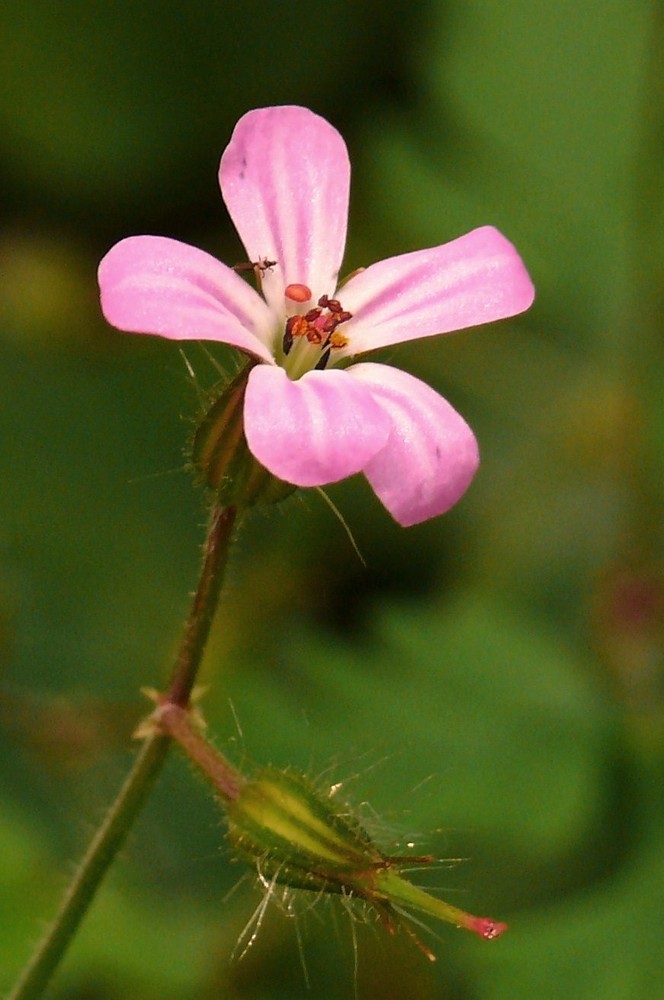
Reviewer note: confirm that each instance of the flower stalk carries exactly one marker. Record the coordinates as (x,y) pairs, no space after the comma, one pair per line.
(176,722)
(120,818)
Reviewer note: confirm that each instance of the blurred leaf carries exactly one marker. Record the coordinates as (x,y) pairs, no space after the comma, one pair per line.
(24,862)
(529,121)
(603,942)
(497,708)
(103,102)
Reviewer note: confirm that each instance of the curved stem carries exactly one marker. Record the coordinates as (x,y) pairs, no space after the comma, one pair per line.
(120,818)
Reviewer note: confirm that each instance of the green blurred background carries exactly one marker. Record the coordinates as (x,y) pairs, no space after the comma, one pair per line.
(491,685)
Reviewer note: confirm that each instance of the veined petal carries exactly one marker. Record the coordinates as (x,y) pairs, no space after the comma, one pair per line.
(317,430)
(151,284)
(431,454)
(285,178)
(475,279)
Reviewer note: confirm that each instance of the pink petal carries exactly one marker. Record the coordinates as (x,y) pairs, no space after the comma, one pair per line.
(151,284)
(475,279)
(431,454)
(317,430)
(285,178)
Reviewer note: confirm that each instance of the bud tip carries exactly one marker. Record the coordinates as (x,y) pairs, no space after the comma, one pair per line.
(486,928)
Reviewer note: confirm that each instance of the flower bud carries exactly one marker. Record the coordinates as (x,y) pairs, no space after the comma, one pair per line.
(297,835)
(301,838)
(221,455)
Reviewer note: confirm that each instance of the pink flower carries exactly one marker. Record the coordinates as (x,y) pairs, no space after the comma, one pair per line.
(310,418)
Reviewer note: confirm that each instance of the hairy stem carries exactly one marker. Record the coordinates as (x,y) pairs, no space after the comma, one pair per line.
(199,622)
(176,723)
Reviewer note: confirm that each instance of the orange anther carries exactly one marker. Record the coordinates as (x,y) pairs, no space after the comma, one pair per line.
(337,340)
(297,293)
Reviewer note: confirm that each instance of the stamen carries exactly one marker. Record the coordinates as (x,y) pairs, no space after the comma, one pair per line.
(329,324)
(287,342)
(296,326)
(332,304)
(297,293)
(318,325)
(337,340)
(323,359)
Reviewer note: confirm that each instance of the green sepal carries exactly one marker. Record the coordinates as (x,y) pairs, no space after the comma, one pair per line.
(221,456)
(297,835)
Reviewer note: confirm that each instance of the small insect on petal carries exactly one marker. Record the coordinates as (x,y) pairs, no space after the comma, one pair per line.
(297,293)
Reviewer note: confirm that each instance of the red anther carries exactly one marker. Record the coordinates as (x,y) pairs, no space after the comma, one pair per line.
(297,293)
(297,326)
(330,324)
(312,315)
